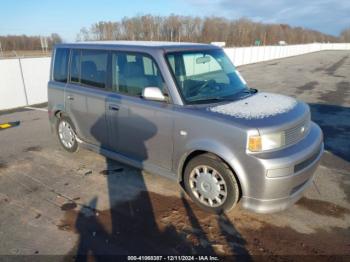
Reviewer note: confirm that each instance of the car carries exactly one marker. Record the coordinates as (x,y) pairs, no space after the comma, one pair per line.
(183,111)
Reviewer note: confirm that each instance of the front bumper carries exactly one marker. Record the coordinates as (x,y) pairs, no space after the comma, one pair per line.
(292,172)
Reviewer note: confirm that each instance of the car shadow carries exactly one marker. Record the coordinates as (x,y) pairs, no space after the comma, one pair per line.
(140,222)
(335,123)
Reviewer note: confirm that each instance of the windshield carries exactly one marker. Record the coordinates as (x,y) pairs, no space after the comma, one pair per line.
(206,76)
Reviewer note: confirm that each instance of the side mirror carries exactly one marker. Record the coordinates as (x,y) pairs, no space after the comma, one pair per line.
(153,93)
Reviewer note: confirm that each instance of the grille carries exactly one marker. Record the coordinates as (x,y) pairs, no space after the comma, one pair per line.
(295,134)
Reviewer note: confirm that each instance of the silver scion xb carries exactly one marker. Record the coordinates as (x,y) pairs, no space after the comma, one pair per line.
(183,111)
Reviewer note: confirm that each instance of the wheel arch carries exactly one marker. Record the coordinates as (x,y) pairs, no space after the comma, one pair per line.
(58,113)
(223,154)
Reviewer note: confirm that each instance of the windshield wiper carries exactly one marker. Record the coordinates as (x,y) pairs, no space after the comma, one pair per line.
(246,92)
(230,98)
(210,100)
(249,91)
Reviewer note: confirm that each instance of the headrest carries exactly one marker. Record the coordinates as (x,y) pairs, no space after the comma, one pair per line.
(89,69)
(133,69)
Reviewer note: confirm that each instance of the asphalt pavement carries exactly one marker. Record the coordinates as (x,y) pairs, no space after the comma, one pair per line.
(56,203)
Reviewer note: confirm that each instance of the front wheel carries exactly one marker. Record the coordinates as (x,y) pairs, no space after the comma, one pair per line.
(211,184)
(66,134)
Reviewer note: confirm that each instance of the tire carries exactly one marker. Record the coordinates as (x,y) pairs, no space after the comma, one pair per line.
(70,145)
(211,183)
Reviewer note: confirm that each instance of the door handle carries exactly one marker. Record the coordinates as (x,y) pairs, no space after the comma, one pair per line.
(113,108)
(70,97)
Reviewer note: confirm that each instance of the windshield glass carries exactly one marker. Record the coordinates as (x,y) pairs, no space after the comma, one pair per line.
(206,76)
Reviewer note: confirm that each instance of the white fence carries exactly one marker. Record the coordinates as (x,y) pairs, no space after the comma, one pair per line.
(24,81)
(255,54)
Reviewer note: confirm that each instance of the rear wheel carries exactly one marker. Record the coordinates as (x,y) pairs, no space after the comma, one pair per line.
(66,134)
(211,184)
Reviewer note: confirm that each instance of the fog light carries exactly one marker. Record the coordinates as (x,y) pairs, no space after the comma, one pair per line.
(279,172)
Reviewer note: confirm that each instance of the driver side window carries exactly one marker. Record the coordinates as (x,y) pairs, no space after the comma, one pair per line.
(132,72)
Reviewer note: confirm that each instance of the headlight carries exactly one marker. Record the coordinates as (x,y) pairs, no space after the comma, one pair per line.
(257,143)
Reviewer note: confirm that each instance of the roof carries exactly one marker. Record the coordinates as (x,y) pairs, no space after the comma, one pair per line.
(167,46)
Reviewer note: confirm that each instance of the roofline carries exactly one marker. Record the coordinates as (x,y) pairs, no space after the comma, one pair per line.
(134,47)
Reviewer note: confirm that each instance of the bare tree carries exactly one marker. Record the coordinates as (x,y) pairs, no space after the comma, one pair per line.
(23,42)
(242,32)
(345,35)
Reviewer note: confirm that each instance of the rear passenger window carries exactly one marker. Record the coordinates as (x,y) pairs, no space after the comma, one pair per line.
(94,68)
(61,65)
(131,73)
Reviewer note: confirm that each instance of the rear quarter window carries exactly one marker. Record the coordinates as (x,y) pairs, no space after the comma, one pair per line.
(60,72)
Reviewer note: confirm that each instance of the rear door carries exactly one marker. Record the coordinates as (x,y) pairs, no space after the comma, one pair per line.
(58,81)
(86,95)
(139,129)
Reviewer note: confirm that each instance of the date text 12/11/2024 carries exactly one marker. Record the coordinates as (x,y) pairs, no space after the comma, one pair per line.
(173,258)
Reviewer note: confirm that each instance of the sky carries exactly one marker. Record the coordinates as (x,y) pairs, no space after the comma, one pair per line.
(67,17)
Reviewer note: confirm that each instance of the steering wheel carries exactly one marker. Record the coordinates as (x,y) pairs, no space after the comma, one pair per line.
(205,85)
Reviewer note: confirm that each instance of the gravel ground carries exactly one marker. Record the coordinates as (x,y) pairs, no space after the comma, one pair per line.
(56,203)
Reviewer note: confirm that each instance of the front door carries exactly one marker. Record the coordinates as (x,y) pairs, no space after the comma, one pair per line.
(139,129)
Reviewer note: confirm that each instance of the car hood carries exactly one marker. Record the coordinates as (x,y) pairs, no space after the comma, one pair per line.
(264,111)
